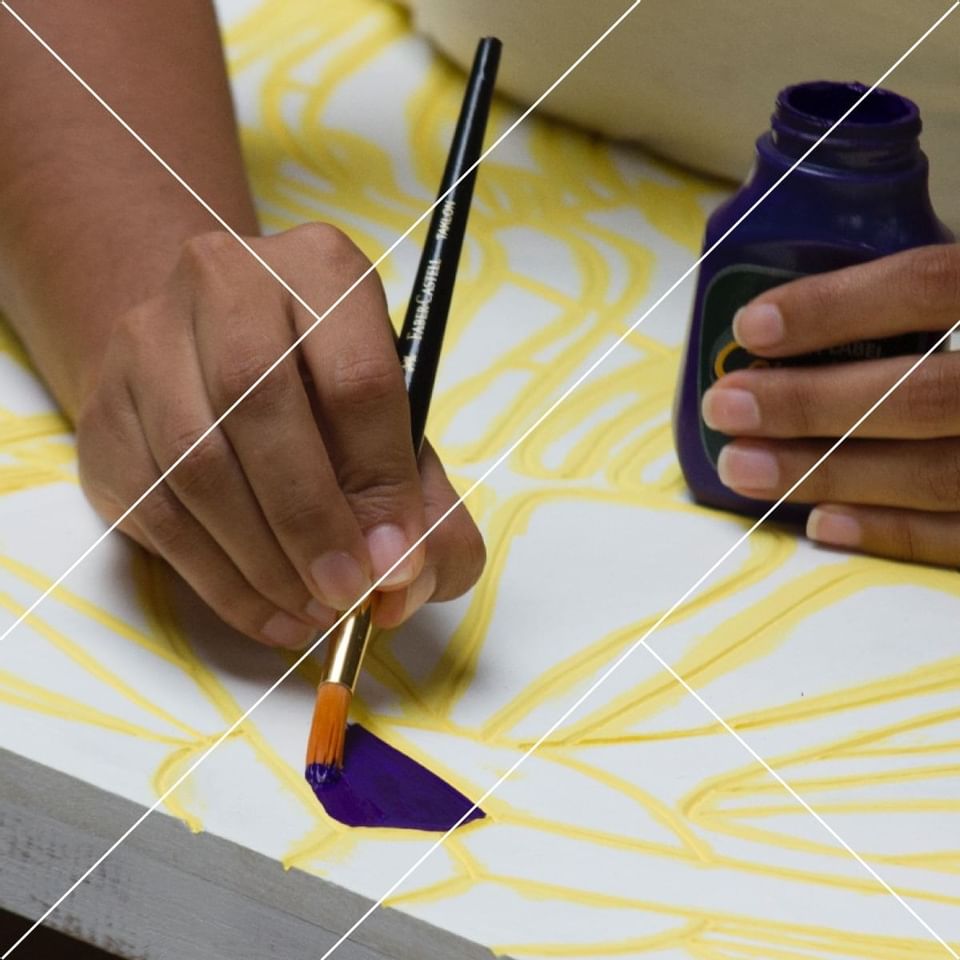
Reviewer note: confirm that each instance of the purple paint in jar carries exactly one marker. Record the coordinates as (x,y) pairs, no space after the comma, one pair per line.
(860,195)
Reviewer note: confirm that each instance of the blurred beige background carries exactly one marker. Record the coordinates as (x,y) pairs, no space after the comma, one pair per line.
(695,81)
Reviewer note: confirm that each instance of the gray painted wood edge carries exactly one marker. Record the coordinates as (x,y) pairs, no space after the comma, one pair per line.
(169,894)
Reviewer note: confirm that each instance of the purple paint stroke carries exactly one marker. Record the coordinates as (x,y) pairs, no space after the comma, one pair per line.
(381,787)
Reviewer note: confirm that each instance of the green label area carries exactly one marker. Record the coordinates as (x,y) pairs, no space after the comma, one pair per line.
(730,289)
(734,287)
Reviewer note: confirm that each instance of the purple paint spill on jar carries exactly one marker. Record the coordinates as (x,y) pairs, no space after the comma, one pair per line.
(860,195)
(381,787)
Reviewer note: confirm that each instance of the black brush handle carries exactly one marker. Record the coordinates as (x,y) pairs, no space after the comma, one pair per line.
(421,337)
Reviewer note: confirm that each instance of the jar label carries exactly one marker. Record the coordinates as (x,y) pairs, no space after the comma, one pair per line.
(734,287)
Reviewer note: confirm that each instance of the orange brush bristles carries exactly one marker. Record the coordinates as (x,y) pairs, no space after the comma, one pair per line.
(329,726)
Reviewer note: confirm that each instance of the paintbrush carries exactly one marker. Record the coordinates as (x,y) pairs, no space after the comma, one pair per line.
(418,345)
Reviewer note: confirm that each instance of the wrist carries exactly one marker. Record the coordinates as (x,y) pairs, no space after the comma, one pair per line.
(74,259)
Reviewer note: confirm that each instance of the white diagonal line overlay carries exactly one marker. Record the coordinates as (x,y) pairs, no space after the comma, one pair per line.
(318,318)
(642,641)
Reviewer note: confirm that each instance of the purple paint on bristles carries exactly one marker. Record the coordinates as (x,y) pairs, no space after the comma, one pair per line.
(321,775)
(381,787)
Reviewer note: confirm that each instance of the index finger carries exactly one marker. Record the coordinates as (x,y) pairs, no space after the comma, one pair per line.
(363,412)
(910,292)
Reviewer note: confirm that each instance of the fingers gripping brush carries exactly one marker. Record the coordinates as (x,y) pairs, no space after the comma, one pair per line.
(419,346)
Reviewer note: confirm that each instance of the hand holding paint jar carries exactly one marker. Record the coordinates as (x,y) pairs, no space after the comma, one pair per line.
(807,313)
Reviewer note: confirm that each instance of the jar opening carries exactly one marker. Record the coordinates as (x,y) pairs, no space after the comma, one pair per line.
(881,134)
(830,101)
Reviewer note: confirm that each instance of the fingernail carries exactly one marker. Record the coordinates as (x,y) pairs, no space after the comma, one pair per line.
(730,410)
(758,326)
(387,543)
(322,615)
(282,630)
(747,468)
(339,579)
(834,528)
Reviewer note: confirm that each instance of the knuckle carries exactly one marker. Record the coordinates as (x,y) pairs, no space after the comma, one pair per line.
(903,538)
(383,489)
(935,278)
(238,369)
(803,302)
(162,518)
(243,355)
(375,498)
(941,482)
(129,331)
(297,511)
(796,404)
(220,273)
(199,474)
(818,296)
(209,250)
(824,483)
(365,382)
(181,440)
(331,243)
(131,353)
(272,394)
(932,394)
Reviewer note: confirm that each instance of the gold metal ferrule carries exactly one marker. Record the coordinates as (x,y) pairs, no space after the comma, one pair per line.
(346,648)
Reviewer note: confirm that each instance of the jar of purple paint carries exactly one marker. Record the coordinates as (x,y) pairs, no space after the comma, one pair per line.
(861,194)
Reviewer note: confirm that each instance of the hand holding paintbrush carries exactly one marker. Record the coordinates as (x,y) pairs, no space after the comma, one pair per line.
(419,346)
